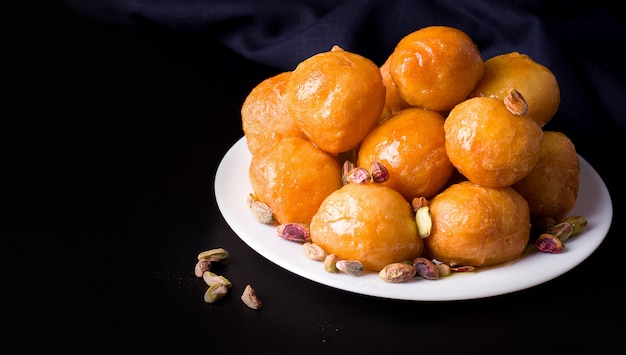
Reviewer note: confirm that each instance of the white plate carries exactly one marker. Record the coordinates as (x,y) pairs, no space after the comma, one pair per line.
(232,188)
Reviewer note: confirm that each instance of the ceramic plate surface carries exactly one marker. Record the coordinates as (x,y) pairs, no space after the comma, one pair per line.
(232,188)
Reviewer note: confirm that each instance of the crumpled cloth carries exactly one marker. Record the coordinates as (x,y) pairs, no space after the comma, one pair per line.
(576,40)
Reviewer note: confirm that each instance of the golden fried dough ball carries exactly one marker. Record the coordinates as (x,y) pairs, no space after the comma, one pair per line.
(294,178)
(477,226)
(336,97)
(490,145)
(411,145)
(436,67)
(534,81)
(393,100)
(264,116)
(551,187)
(368,222)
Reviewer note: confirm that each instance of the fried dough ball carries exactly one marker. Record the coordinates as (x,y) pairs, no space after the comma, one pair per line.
(336,97)
(393,100)
(368,222)
(264,116)
(551,188)
(490,145)
(436,67)
(477,226)
(293,179)
(534,81)
(411,145)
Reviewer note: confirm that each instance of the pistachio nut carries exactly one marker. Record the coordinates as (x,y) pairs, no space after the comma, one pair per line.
(330,263)
(347,167)
(424,221)
(547,243)
(562,230)
(397,272)
(262,212)
(418,202)
(443,269)
(250,298)
(462,268)
(295,232)
(211,255)
(378,172)
(359,175)
(579,223)
(515,103)
(202,266)
(426,268)
(215,292)
(313,251)
(352,267)
(211,279)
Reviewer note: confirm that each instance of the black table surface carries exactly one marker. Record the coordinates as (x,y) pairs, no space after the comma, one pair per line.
(111,141)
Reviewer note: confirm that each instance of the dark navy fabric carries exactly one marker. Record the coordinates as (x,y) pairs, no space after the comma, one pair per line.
(281,33)
(578,41)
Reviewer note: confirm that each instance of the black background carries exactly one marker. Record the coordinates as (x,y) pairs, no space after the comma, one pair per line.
(111,138)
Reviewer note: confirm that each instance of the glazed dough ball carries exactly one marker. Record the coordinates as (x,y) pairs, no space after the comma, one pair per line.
(393,99)
(551,188)
(264,116)
(336,97)
(534,81)
(411,145)
(293,179)
(368,222)
(478,226)
(490,145)
(436,67)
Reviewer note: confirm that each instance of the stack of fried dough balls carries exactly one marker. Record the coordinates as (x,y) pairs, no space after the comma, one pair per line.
(291,189)
(484,221)
(298,122)
(464,133)
(494,141)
